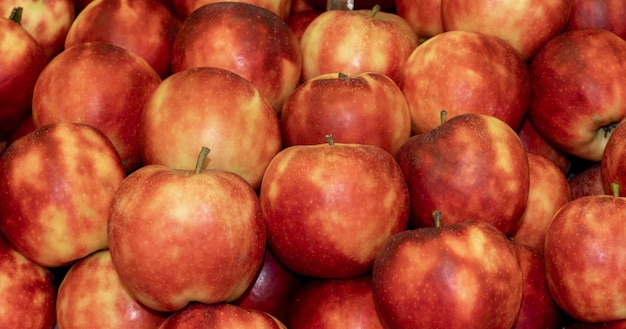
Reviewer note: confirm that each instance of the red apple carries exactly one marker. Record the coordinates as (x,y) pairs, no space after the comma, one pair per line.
(584,258)
(579,91)
(145,27)
(299,21)
(612,167)
(301,5)
(220,316)
(184,8)
(424,16)
(329,207)
(355,41)
(219,35)
(535,143)
(598,14)
(524,24)
(99,84)
(273,289)
(464,275)
(548,191)
(27,293)
(22,61)
(206,247)
(210,106)
(57,184)
(537,310)
(619,324)
(46,20)
(472,166)
(362,108)
(91,292)
(335,303)
(587,182)
(465,72)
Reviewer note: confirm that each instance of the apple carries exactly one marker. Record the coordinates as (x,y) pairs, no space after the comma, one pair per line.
(101,85)
(22,61)
(594,14)
(535,143)
(184,8)
(465,72)
(584,257)
(579,91)
(273,289)
(587,182)
(472,166)
(424,16)
(301,5)
(537,310)
(299,21)
(362,108)
(205,247)
(355,41)
(526,25)
(612,168)
(327,5)
(220,316)
(57,184)
(91,292)
(548,191)
(619,324)
(46,20)
(27,126)
(335,303)
(210,106)
(219,35)
(329,207)
(464,275)
(145,27)
(27,293)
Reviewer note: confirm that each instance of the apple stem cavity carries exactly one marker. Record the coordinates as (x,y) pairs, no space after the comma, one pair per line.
(330,139)
(608,129)
(615,189)
(437,218)
(374,11)
(204,152)
(16,15)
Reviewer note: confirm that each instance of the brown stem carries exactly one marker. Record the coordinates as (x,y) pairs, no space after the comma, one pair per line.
(16,15)
(330,140)
(204,152)
(437,218)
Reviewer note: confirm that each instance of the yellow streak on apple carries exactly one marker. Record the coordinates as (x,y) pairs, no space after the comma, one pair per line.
(12,44)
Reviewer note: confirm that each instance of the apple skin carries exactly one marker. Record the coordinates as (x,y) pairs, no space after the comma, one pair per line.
(587,182)
(537,310)
(184,8)
(548,191)
(465,72)
(214,107)
(91,293)
(524,24)
(619,324)
(612,167)
(207,247)
(607,14)
(56,186)
(354,42)
(218,35)
(583,255)
(47,21)
(362,108)
(329,207)
(335,303)
(145,27)
(535,143)
(220,316)
(424,16)
(99,84)
(445,168)
(28,291)
(463,275)
(23,59)
(579,91)
(273,289)
(299,21)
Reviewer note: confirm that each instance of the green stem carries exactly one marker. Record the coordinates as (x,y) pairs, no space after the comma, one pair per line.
(16,15)
(615,189)
(437,218)
(330,140)
(204,152)
(374,11)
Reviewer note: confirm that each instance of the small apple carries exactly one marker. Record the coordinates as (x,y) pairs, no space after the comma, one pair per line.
(362,108)
(220,316)
(465,72)
(584,257)
(535,143)
(56,186)
(424,16)
(612,167)
(202,235)
(329,207)
(578,84)
(248,40)
(464,275)
(595,14)
(355,41)
(91,292)
(587,182)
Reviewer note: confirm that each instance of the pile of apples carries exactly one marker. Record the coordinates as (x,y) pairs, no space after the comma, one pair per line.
(312,164)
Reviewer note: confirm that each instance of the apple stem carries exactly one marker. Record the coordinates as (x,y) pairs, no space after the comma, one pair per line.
(342,75)
(330,139)
(374,11)
(443,116)
(16,15)
(615,189)
(437,218)
(204,152)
